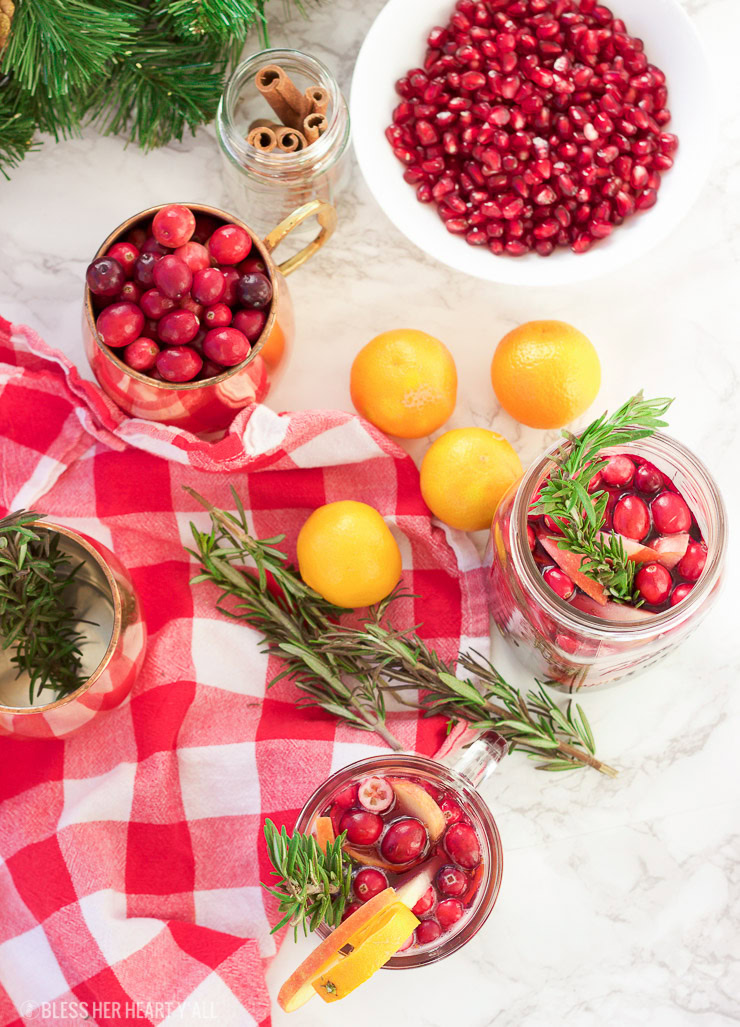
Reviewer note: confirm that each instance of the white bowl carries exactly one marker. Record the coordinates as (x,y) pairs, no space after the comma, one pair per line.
(396,42)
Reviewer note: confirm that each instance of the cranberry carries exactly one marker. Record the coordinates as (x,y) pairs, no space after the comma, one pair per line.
(427,932)
(155,249)
(213,370)
(461,843)
(217,316)
(131,292)
(362,827)
(178,328)
(404,840)
(105,277)
(449,912)
(451,881)
(347,796)
(631,517)
(144,270)
(155,304)
(679,593)
(137,237)
(692,562)
(350,909)
(531,537)
(253,263)
(451,810)
(141,354)
(670,513)
(120,324)
(173,225)
(250,322)
(126,254)
(559,582)
(231,277)
(205,226)
(648,478)
(425,903)
(653,581)
(194,255)
(254,290)
(619,471)
(376,794)
(208,285)
(179,363)
(369,882)
(226,346)
(188,303)
(229,244)
(432,790)
(172,277)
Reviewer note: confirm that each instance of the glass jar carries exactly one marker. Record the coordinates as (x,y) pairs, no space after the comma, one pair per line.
(573,649)
(467,771)
(265,187)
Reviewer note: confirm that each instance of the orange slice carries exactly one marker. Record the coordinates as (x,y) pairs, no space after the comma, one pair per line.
(323,831)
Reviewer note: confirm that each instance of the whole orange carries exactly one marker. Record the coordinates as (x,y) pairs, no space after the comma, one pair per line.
(545,373)
(404,382)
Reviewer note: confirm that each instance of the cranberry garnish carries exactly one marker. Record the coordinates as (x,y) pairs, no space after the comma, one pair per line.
(155,304)
(350,909)
(375,794)
(631,517)
(217,316)
(680,592)
(120,323)
(670,513)
(362,828)
(461,843)
(208,286)
(403,841)
(226,346)
(692,562)
(173,225)
(425,903)
(188,303)
(131,292)
(254,290)
(618,471)
(369,882)
(449,912)
(179,363)
(250,322)
(141,354)
(451,881)
(195,255)
(231,277)
(126,254)
(229,244)
(427,932)
(653,581)
(559,582)
(648,478)
(144,270)
(178,328)
(105,277)
(172,276)
(451,809)
(347,796)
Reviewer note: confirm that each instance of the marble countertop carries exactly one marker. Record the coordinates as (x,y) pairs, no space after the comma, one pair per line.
(620,902)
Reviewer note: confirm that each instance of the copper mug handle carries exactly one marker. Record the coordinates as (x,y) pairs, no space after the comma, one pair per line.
(326,216)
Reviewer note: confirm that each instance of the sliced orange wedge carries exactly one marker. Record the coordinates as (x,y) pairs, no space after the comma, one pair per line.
(323,831)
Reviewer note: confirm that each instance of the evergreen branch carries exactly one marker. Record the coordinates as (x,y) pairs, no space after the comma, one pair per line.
(17,129)
(219,20)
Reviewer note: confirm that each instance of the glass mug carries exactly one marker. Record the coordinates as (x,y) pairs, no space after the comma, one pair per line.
(573,649)
(460,779)
(211,404)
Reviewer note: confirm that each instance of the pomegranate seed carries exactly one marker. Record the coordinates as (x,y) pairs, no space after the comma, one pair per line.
(648,199)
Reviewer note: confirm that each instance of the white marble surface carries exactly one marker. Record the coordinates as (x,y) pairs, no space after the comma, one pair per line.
(620,902)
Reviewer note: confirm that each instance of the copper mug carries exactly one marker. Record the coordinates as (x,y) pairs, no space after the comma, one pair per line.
(210,405)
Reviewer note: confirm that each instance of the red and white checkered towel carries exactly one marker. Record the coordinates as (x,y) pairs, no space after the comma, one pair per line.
(131,853)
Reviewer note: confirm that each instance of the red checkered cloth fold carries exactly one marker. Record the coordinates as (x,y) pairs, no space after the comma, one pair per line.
(131,853)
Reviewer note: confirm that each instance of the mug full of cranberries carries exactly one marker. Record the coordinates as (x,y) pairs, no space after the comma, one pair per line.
(187,318)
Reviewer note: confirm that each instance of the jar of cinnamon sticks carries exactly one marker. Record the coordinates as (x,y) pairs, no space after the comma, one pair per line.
(283,129)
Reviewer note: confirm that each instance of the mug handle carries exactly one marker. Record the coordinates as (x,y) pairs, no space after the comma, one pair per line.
(326,216)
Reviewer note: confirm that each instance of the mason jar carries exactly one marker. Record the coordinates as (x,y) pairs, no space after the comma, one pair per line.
(573,649)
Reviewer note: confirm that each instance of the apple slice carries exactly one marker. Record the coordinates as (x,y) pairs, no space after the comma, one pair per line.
(323,831)
(299,988)
(618,613)
(417,802)
(412,885)
(570,563)
(670,549)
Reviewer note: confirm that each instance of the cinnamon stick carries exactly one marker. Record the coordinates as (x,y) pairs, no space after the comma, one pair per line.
(290,105)
(318,99)
(263,123)
(314,126)
(290,140)
(262,139)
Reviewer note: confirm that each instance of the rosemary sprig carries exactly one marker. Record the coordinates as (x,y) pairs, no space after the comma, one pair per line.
(580,514)
(36,621)
(313,886)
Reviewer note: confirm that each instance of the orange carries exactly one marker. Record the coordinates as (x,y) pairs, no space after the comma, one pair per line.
(347,554)
(464,474)
(405,383)
(545,373)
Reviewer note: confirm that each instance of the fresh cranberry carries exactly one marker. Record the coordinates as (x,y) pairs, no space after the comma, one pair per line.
(376,794)
(369,882)
(670,513)
(431,789)
(141,354)
(105,277)
(178,328)
(362,828)
(653,581)
(451,881)
(205,226)
(449,912)
(194,255)
(208,286)
(461,843)
(631,517)
(226,346)
(120,324)
(451,810)
(347,796)
(559,582)
(155,304)
(231,277)
(217,316)
(173,225)
(648,478)
(350,909)
(427,932)
(155,249)
(404,840)
(172,277)
(131,292)
(150,328)
(254,290)
(679,593)
(425,903)
(188,303)
(229,244)
(212,370)
(531,538)
(252,263)
(595,482)
(137,237)
(618,471)
(126,254)
(144,270)
(179,363)
(692,562)
(250,322)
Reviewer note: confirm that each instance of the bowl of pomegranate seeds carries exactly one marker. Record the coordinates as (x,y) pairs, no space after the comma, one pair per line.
(187,317)
(497,133)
